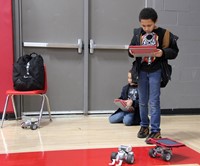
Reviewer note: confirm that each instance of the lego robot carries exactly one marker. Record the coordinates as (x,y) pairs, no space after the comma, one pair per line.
(163,148)
(124,154)
(33,125)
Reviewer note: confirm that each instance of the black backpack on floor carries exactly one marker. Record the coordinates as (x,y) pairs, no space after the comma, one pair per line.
(28,73)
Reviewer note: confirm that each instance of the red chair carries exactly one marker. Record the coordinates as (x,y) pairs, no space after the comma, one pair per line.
(42,93)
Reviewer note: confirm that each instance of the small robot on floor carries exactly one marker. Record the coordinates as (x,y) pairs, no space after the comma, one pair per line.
(163,148)
(124,154)
(32,124)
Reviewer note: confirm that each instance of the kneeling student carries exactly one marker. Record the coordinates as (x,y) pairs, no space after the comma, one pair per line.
(129,95)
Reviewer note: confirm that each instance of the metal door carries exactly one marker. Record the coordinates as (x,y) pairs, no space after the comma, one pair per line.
(84,46)
(111,26)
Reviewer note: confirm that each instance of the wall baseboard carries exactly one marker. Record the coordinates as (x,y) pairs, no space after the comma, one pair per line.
(176,111)
(8,116)
(181,111)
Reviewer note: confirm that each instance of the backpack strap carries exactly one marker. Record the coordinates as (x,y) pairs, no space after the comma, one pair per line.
(166,39)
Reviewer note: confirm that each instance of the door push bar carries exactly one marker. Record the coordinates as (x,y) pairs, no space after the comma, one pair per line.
(101,46)
(79,45)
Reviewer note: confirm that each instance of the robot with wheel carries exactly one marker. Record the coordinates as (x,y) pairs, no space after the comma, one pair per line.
(163,148)
(124,154)
(32,124)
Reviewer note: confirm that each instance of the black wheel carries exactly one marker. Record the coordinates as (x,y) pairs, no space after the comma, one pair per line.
(34,126)
(113,155)
(152,153)
(166,156)
(130,159)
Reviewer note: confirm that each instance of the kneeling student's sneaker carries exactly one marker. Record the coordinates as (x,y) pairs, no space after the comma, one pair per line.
(143,132)
(153,135)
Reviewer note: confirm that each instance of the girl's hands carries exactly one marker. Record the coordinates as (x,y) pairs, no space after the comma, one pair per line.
(129,102)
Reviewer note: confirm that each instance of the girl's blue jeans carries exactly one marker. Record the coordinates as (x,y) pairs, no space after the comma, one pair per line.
(122,117)
(149,99)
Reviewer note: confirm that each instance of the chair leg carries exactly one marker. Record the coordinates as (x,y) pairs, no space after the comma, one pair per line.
(14,108)
(4,110)
(48,107)
(41,110)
